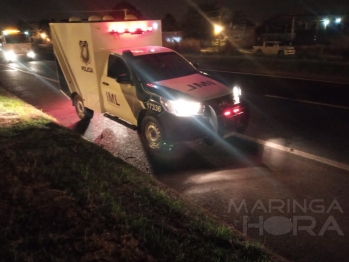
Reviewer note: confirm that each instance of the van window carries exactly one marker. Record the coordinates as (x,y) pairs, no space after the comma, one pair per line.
(116,67)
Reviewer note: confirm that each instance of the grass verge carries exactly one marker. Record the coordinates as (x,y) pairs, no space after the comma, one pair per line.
(63,198)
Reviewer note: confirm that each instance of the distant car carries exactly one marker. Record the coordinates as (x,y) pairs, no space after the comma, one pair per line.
(16,44)
(274,48)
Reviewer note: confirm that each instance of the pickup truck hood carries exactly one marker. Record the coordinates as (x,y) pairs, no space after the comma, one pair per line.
(196,86)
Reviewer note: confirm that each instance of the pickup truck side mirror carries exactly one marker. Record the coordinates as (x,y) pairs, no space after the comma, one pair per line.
(123,79)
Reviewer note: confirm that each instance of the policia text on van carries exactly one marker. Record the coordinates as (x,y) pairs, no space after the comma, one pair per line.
(120,68)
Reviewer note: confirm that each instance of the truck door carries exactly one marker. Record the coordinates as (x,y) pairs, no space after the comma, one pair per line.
(268,48)
(119,100)
(274,50)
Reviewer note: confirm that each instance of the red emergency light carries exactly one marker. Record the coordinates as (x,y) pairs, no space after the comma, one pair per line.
(133,31)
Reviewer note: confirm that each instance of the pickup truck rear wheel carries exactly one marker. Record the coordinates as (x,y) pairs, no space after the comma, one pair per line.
(243,121)
(83,112)
(152,132)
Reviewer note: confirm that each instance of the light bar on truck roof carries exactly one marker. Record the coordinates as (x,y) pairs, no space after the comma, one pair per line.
(10,31)
(117,29)
(132,31)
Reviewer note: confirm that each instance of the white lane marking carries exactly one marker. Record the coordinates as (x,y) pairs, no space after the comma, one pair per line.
(275,76)
(308,102)
(291,151)
(30,73)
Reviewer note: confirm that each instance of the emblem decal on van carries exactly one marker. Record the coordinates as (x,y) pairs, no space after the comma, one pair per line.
(84,53)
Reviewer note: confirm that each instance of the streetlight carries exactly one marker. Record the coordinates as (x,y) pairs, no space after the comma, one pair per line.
(217,31)
(326,22)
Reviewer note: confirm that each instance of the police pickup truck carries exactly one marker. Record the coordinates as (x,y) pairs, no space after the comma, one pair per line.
(121,69)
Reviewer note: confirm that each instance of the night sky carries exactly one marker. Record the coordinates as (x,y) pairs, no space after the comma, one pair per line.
(256,10)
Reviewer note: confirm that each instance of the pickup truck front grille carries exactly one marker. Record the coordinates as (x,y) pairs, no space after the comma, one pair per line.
(218,104)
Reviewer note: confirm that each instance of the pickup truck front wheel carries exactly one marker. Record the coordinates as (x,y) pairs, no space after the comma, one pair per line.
(281,53)
(83,112)
(152,132)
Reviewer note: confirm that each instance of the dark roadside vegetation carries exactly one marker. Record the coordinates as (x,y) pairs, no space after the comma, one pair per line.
(318,62)
(62,198)
(310,62)
(315,68)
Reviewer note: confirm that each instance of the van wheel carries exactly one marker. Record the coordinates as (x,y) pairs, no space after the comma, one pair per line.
(281,53)
(152,132)
(83,112)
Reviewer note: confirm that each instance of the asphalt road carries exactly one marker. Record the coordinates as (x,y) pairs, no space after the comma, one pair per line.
(284,182)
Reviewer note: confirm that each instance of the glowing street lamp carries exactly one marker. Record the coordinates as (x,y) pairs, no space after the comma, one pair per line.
(338,20)
(326,22)
(217,29)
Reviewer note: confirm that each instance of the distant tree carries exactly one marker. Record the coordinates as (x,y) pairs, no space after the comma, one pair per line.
(121,6)
(196,23)
(23,26)
(44,25)
(169,23)
(226,16)
(239,18)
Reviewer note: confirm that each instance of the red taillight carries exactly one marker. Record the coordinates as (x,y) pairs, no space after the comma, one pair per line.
(232,111)
(227,113)
(151,85)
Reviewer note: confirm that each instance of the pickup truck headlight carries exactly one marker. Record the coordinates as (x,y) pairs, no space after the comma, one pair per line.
(10,55)
(237,93)
(31,54)
(182,107)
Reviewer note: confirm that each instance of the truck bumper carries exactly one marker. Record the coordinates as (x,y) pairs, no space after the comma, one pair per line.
(191,128)
(184,128)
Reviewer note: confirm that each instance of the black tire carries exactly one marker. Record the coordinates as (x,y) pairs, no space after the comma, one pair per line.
(281,53)
(209,140)
(153,133)
(83,112)
(243,122)
(259,52)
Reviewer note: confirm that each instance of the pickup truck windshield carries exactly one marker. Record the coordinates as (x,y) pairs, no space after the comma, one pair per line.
(160,66)
(16,39)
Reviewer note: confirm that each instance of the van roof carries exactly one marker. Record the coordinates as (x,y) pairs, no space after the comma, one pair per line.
(142,50)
